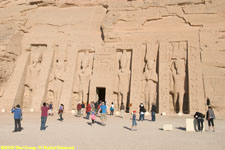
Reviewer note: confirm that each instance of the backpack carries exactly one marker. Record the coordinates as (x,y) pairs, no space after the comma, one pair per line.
(111,108)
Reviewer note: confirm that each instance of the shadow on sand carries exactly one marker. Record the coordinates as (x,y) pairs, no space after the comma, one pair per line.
(125,127)
(181,128)
(96,122)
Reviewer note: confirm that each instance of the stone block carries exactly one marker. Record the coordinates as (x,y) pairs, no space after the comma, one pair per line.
(117,113)
(190,124)
(168,127)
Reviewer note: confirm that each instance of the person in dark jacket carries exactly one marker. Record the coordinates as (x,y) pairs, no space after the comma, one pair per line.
(153,111)
(200,119)
(17,118)
(142,112)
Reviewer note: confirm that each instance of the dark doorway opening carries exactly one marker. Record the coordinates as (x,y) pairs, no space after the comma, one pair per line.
(101,93)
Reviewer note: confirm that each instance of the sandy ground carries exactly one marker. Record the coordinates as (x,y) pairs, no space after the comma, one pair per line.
(75,131)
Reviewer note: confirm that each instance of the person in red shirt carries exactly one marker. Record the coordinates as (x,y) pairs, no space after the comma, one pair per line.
(78,109)
(88,111)
(44,115)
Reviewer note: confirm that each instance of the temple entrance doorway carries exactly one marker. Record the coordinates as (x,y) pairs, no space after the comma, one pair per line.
(100,91)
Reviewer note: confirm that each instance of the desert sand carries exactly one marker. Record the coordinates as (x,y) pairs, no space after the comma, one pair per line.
(75,131)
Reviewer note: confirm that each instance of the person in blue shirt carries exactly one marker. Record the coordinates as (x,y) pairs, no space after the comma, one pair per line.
(102,110)
(17,118)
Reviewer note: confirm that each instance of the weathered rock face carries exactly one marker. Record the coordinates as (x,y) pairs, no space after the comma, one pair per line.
(167,52)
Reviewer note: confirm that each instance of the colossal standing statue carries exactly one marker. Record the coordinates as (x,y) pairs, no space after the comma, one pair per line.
(85,77)
(151,80)
(58,80)
(33,73)
(124,78)
(178,74)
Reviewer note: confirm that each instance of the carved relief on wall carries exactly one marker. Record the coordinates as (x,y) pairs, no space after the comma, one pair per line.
(150,75)
(84,71)
(178,77)
(33,71)
(123,63)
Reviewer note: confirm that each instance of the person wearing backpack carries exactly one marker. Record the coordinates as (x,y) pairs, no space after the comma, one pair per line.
(112,109)
(200,119)
(142,112)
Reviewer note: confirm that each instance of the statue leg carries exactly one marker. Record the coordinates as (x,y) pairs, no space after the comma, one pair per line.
(80,95)
(85,96)
(152,94)
(181,100)
(175,100)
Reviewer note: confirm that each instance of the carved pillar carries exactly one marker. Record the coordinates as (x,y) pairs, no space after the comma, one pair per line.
(136,75)
(163,90)
(196,94)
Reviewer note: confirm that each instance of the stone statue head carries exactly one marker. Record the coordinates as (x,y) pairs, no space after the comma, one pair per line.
(150,64)
(123,61)
(36,58)
(85,60)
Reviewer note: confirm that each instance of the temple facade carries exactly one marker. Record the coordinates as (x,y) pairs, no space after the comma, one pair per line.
(170,53)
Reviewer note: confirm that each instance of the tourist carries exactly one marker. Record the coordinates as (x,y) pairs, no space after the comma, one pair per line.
(142,112)
(122,107)
(79,109)
(61,108)
(210,116)
(98,108)
(153,111)
(112,109)
(82,108)
(134,122)
(88,111)
(200,119)
(103,112)
(17,118)
(44,115)
(50,109)
(92,117)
